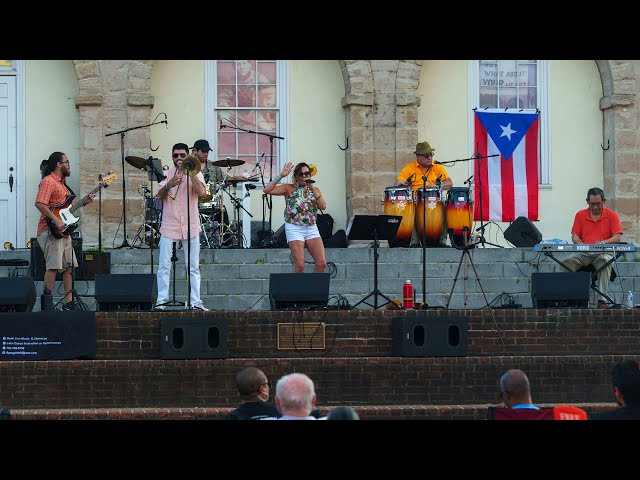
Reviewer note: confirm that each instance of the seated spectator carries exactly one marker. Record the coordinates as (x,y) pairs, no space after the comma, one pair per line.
(295,397)
(343,413)
(253,387)
(625,379)
(515,390)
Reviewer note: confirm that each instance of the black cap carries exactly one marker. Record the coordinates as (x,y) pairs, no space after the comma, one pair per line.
(202,145)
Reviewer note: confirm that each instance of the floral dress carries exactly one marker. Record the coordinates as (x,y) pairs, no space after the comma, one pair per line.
(301,207)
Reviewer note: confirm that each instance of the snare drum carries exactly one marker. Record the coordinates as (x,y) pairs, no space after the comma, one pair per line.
(429,210)
(213,205)
(398,200)
(459,216)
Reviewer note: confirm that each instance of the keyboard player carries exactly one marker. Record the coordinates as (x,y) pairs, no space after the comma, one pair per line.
(595,224)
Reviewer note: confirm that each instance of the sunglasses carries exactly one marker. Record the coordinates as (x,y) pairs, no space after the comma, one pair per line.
(181,155)
(305,174)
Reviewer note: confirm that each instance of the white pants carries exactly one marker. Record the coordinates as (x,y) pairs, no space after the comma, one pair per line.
(164,268)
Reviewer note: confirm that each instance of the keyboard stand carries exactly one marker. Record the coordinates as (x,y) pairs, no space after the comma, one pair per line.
(617,254)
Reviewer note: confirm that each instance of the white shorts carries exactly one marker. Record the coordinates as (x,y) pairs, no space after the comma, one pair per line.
(300,232)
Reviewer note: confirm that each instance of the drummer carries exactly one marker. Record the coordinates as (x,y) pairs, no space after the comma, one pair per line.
(212,174)
(423,166)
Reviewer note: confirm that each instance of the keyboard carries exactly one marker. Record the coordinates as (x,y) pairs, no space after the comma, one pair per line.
(584,247)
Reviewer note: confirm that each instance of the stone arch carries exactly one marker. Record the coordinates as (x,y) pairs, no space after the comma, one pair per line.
(620,127)
(113,95)
(380,105)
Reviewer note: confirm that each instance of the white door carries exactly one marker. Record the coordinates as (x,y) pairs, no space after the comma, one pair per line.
(8,163)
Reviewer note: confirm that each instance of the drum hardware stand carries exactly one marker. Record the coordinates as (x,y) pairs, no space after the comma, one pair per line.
(125,242)
(237,205)
(374,227)
(153,171)
(266,236)
(173,302)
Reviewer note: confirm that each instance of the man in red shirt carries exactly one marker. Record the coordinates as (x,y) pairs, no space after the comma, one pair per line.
(58,252)
(596,224)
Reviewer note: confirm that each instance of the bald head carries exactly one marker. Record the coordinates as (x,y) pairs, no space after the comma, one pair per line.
(515,388)
(251,381)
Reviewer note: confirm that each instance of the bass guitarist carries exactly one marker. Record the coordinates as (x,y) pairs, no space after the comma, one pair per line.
(58,252)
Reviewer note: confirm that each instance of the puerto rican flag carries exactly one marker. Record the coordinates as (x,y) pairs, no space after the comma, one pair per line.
(509,181)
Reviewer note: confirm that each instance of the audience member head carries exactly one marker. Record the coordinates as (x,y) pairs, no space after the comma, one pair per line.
(343,413)
(295,395)
(625,378)
(515,389)
(252,384)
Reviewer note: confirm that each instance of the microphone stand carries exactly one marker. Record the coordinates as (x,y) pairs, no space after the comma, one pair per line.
(482,241)
(125,242)
(424,239)
(267,240)
(100,217)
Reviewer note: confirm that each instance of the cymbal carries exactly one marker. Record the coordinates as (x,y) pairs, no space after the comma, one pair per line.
(228,162)
(236,180)
(135,162)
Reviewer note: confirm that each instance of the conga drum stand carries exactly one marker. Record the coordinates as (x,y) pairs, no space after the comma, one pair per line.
(374,227)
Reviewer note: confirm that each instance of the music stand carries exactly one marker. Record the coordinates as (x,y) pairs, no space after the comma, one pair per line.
(374,227)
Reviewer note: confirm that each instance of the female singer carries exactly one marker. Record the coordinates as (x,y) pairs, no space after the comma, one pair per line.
(302,201)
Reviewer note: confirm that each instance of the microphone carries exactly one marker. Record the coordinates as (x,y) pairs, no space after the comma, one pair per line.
(411,177)
(437,162)
(257,164)
(221,125)
(166,123)
(249,186)
(309,181)
(468,179)
(439,179)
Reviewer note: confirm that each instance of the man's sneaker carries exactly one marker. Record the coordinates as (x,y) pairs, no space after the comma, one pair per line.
(201,307)
(160,307)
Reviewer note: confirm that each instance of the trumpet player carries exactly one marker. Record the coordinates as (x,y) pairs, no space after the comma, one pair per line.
(180,222)
(302,202)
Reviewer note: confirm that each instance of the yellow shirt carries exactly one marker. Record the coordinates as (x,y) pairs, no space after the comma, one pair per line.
(417,171)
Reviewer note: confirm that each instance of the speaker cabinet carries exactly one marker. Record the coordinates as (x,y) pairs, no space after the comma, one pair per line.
(298,291)
(17,294)
(560,289)
(95,263)
(125,291)
(190,338)
(424,336)
(38,265)
(523,233)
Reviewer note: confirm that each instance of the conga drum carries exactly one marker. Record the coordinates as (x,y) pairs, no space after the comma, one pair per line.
(398,200)
(429,212)
(459,215)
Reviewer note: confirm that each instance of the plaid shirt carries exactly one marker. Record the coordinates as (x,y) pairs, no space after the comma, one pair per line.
(51,191)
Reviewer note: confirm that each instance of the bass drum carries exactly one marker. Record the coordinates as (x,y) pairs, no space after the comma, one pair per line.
(459,216)
(430,210)
(398,200)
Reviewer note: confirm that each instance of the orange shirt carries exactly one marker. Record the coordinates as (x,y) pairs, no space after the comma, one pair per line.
(592,231)
(52,191)
(418,172)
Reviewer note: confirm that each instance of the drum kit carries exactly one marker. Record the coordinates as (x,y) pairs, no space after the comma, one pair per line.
(453,217)
(216,229)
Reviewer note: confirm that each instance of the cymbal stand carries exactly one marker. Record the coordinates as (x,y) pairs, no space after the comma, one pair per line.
(237,205)
(267,240)
(125,242)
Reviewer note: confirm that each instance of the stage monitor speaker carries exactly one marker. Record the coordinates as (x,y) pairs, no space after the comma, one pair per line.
(298,291)
(17,294)
(560,289)
(38,265)
(186,338)
(523,233)
(125,291)
(95,263)
(428,336)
